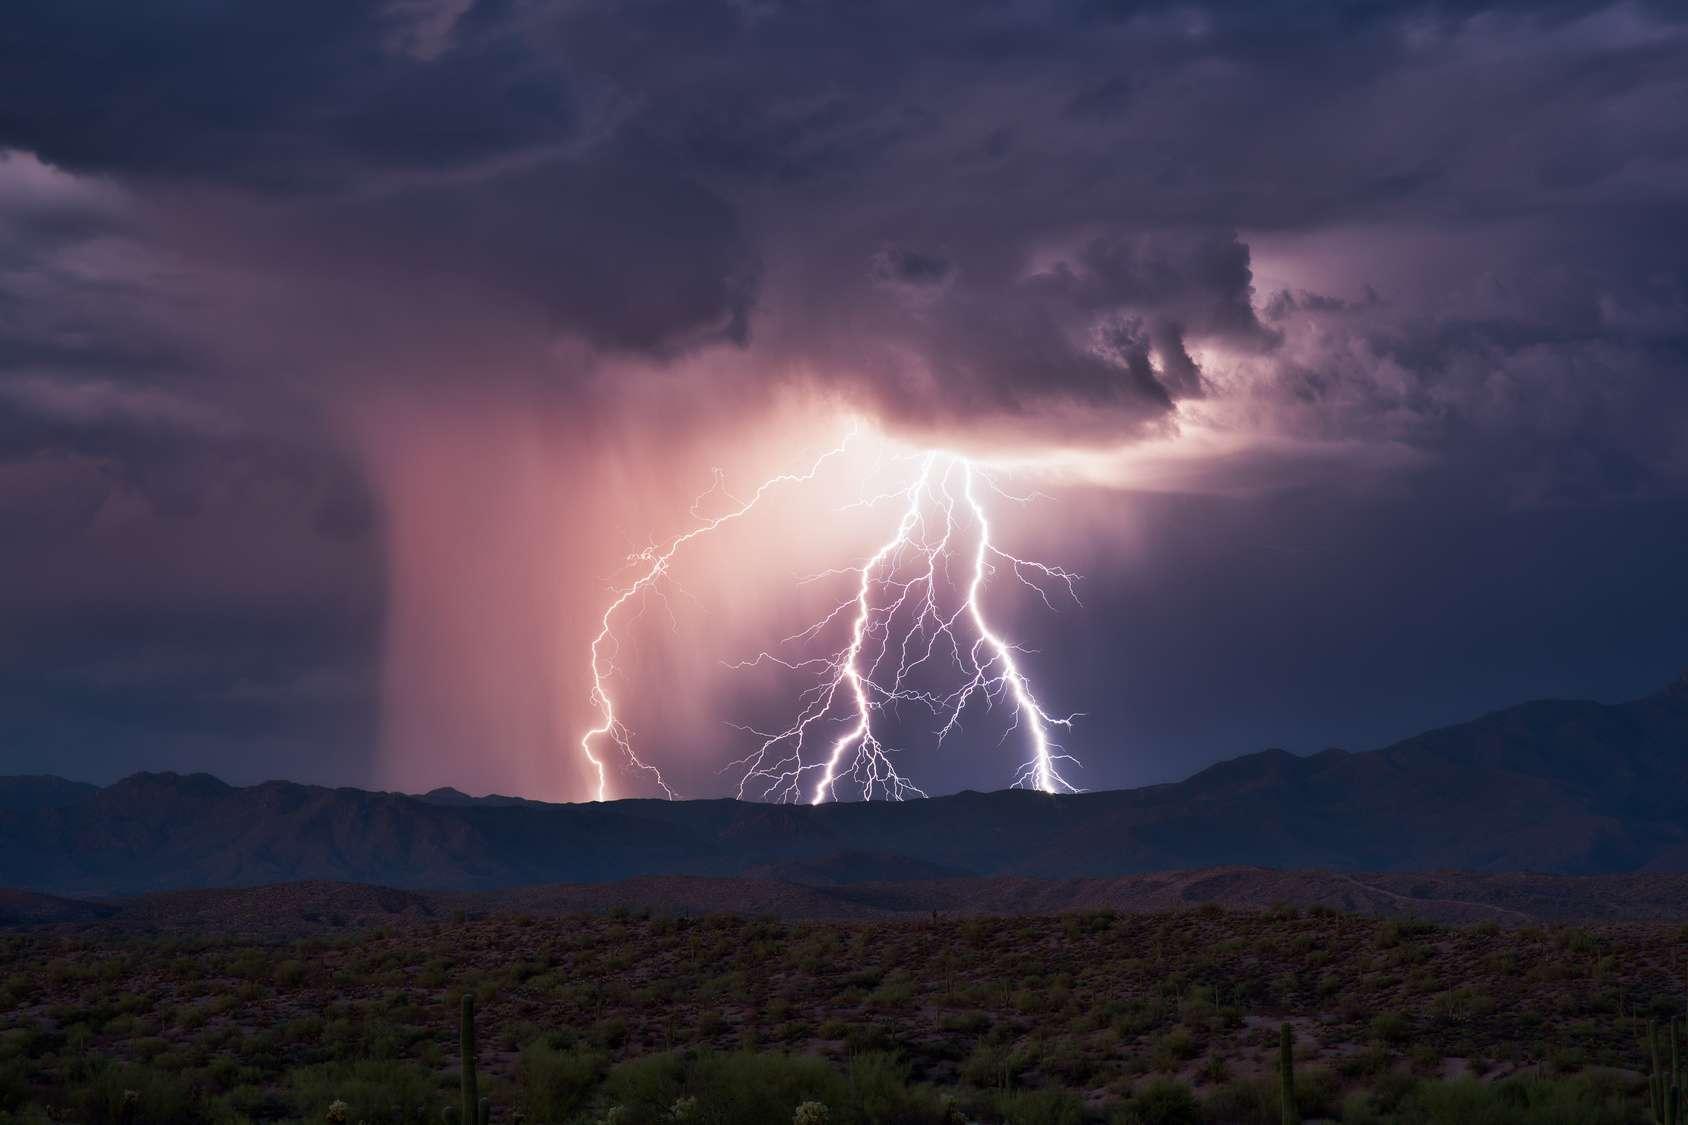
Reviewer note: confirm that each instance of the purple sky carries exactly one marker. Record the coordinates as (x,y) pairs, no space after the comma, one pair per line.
(346,348)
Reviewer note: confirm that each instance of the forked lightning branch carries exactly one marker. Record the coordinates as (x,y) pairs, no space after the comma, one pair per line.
(915,615)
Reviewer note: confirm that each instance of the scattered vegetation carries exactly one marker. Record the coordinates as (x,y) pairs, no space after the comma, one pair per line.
(1195,1016)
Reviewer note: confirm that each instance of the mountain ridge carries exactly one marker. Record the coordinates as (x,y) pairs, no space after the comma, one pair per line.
(1566,787)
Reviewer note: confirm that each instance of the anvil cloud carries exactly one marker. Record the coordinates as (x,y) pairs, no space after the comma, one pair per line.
(346,348)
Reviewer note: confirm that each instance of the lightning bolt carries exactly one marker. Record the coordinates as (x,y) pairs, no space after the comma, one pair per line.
(1000,671)
(898,624)
(656,562)
(908,619)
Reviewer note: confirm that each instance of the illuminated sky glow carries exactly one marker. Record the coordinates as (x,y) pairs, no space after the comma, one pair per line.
(897,627)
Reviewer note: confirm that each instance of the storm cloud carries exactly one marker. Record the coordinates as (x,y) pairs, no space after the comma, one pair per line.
(1428,256)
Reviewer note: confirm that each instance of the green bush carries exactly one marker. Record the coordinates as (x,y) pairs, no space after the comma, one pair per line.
(988,1067)
(1390,1027)
(1039,1107)
(753,1088)
(741,1087)
(879,1091)
(135,1095)
(737,1087)
(1163,1101)
(1595,1099)
(556,1084)
(1245,1102)
(375,1092)
(14,1084)
(650,1083)
(1318,1093)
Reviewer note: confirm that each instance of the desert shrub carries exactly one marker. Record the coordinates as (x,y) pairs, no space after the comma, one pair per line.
(728,1087)
(149,1046)
(761,1089)
(1245,1102)
(1215,1070)
(1175,1047)
(1373,1059)
(135,1095)
(964,1022)
(1138,1016)
(1595,1099)
(1040,1107)
(14,1084)
(649,1082)
(249,1102)
(879,1091)
(1066,1061)
(305,1029)
(895,992)
(375,1092)
(1160,1102)
(19,987)
(988,1067)
(1392,1088)
(554,1084)
(1390,1027)
(864,1037)
(753,1088)
(1318,1093)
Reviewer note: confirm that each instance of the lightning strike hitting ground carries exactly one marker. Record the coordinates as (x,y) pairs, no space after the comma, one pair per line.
(909,620)
(657,563)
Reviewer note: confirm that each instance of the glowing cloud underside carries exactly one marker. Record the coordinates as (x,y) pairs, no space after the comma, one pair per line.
(912,621)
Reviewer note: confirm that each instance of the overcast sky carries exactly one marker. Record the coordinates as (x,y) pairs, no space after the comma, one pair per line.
(347,349)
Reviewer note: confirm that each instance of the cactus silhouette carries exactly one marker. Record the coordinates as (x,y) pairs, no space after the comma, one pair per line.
(1664,1086)
(1286,1075)
(471,1110)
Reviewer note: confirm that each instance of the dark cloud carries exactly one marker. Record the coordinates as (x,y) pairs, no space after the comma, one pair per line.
(102,366)
(1444,235)
(1204,281)
(910,267)
(1103,326)
(308,96)
(624,260)
(631,176)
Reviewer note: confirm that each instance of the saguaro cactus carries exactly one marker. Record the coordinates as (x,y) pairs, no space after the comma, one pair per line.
(1286,1075)
(471,1109)
(1664,1087)
(1673,1096)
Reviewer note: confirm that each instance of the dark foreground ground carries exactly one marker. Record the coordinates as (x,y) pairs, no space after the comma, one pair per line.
(627,1017)
(837,890)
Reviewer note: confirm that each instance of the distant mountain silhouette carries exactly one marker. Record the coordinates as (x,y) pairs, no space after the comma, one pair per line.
(1562,787)
(446,795)
(33,793)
